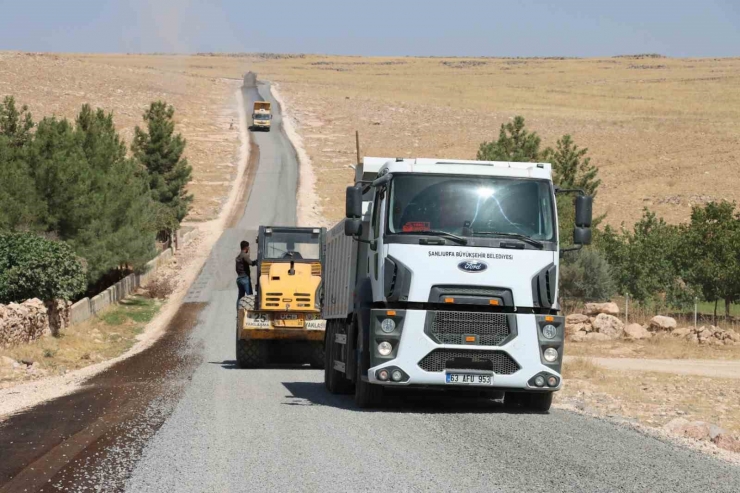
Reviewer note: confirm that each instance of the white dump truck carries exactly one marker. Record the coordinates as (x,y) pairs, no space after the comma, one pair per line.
(444,274)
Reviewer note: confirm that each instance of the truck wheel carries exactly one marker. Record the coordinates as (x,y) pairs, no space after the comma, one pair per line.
(513,400)
(539,401)
(367,395)
(316,357)
(251,354)
(335,381)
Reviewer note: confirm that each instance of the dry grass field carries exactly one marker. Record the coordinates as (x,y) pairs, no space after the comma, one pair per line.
(664,132)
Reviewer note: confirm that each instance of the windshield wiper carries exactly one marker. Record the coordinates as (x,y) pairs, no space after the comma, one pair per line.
(517,236)
(444,234)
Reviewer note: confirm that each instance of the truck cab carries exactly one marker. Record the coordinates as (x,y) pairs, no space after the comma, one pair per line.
(454,280)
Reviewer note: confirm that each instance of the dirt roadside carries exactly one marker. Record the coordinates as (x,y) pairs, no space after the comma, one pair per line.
(20,397)
(696,367)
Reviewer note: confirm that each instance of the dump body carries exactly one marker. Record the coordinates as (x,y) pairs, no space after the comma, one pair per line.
(261,115)
(451,283)
(287,305)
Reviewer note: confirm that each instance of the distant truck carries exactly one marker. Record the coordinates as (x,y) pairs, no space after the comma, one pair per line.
(283,320)
(261,115)
(444,275)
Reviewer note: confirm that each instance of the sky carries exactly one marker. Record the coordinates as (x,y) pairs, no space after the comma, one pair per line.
(572,28)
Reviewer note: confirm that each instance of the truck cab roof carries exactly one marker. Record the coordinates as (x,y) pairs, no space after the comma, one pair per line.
(371,166)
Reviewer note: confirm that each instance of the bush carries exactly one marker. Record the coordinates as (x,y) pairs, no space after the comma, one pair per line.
(160,288)
(35,267)
(587,277)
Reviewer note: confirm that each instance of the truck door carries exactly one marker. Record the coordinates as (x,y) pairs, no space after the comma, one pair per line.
(376,250)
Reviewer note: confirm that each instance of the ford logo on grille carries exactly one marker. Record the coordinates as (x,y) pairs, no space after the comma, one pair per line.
(472,266)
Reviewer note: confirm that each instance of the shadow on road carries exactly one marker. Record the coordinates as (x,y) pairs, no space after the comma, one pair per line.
(401,401)
(230,364)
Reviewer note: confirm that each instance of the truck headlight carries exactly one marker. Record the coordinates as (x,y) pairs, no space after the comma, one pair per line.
(388,325)
(549,331)
(385,348)
(551,354)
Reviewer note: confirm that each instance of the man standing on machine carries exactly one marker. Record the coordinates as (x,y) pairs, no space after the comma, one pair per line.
(243,278)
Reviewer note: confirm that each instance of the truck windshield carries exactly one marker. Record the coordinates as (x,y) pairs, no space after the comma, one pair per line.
(471,206)
(261,116)
(292,246)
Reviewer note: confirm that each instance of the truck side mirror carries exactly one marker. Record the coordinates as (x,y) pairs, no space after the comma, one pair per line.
(353,203)
(582,236)
(353,227)
(584,206)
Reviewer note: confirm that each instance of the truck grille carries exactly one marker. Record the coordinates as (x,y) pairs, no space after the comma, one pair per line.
(471,359)
(452,327)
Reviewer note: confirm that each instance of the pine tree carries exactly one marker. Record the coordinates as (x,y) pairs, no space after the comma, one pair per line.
(20,207)
(62,176)
(514,144)
(15,124)
(571,169)
(120,233)
(160,151)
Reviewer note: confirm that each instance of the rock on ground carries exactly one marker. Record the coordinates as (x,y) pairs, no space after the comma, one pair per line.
(636,332)
(608,325)
(23,322)
(660,323)
(579,336)
(577,318)
(596,336)
(698,430)
(598,308)
(572,329)
(682,332)
(727,442)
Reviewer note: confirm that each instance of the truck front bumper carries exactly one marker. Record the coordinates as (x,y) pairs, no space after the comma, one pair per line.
(282,334)
(414,345)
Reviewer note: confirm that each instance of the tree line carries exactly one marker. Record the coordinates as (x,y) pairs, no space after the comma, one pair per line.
(76,207)
(656,263)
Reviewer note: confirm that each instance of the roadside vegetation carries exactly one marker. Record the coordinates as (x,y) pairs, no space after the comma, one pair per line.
(101,338)
(76,184)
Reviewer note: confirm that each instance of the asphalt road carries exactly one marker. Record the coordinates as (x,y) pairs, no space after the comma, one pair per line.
(221,429)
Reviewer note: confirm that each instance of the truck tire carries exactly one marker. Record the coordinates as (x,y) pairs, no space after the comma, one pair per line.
(514,400)
(367,395)
(251,354)
(539,401)
(316,355)
(335,381)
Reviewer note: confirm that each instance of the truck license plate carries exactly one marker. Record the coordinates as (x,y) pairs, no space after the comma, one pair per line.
(468,379)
